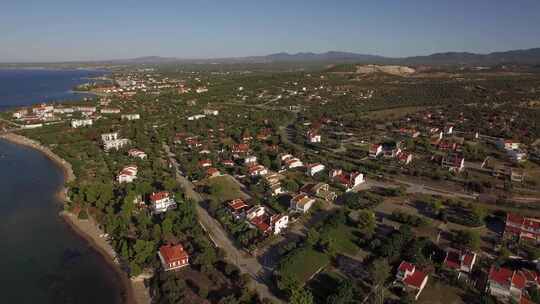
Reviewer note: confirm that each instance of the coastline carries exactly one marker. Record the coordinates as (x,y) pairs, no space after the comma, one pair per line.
(134,291)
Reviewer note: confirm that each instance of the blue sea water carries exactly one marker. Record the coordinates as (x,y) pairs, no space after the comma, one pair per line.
(22,87)
(42,260)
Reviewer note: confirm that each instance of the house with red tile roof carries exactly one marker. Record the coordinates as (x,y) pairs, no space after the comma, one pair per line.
(240,148)
(313,136)
(348,180)
(260,218)
(453,162)
(128,174)
(205,163)
(173,257)
(137,153)
(461,261)
(507,284)
(162,202)
(375,150)
(312,169)
(301,202)
(257,170)
(412,279)
(212,172)
(521,228)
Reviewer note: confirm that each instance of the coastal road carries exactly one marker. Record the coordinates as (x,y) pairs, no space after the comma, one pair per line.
(246,263)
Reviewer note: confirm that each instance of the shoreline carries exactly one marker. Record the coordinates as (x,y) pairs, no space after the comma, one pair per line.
(134,291)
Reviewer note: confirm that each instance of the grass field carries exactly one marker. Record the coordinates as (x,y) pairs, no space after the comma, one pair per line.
(230,189)
(345,239)
(305,263)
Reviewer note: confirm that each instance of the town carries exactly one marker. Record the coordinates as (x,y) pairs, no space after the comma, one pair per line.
(329,184)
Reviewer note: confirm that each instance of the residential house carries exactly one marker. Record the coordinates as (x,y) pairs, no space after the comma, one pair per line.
(211,112)
(128,174)
(200,90)
(348,180)
(162,202)
(137,153)
(77,123)
(109,111)
(173,257)
(301,202)
(205,163)
(412,279)
(521,228)
(320,190)
(375,150)
(259,218)
(391,149)
(453,162)
(130,116)
(405,157)
(196,117)
(257,170)
(250,160)
(507,284)
(111,141)
(212,172)
(313,136)
(240,148)
(313,169)
(461,261)
(238,207)
(289,162)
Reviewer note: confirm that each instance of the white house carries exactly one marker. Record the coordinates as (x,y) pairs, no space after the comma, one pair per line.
(348,180)
(289,162)
(411,278)
(137,153)
(196,117)
(375,150)
(128,174)
(211,112)
(250,160)
(130,116)
(109,111)
(200,90)
(313,169)
(313,136)
(111,141)
(301,202)
(279,222)
(77,123)
(162,202)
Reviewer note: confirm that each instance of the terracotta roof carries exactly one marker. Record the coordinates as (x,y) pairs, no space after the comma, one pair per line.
(159,196)
(415,279)
(406,266)
(172,253)
(500,275)
(237,204)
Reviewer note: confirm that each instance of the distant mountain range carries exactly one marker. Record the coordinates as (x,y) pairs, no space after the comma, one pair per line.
(529,56)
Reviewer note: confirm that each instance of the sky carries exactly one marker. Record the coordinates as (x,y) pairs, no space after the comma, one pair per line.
(61,30)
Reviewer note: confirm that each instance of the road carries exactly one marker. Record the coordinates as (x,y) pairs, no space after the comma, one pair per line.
(246,263)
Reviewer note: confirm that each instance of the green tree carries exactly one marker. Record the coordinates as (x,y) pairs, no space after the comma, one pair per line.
(379,272)
(367,222)
(301,296)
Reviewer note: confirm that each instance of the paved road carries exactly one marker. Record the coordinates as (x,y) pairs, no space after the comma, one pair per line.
(246,263)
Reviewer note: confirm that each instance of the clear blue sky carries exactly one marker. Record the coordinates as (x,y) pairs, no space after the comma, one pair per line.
(56,30)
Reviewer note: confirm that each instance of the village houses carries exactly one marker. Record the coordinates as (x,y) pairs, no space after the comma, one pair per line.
(173,257)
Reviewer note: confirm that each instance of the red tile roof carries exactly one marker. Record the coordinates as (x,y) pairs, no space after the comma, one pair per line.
(173,253)
(415,279)
(500,275)
(159,196)
(406,266)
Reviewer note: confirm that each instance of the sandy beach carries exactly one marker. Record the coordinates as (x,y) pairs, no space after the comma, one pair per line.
(134,290)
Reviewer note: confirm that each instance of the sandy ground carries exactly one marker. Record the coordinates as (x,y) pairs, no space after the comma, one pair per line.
(136,292)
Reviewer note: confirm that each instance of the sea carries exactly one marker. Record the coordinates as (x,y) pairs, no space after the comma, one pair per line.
(23,87)
(41,259)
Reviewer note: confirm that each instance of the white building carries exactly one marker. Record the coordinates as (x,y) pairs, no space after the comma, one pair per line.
(77,123)
(289,162)
(110,111)
(196,117)
(137,153)
(111,141)
(162,202)
(301,202)
(211,112)
(313,169)
(130,116)
(127,175)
